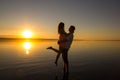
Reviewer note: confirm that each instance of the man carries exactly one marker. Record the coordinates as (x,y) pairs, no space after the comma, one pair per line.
(67,41)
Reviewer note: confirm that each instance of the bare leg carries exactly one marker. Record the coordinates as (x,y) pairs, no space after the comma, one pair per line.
(66,63)
(65,76)
(66,67)
(57,56)
(56,50)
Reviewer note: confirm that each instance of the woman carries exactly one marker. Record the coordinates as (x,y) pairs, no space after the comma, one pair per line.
(62,37)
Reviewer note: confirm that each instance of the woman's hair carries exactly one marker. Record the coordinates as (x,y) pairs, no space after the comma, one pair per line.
(61,28)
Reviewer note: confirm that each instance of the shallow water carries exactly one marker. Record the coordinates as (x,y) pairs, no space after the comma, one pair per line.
(96,60)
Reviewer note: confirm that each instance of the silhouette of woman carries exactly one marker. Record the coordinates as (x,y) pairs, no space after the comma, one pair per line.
(62,36)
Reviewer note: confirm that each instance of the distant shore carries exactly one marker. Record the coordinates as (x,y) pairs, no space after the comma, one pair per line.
(6,39)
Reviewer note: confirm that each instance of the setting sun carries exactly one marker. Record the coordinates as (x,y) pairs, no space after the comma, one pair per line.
(27,34)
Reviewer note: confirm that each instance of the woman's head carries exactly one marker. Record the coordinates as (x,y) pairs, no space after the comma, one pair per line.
(61,28)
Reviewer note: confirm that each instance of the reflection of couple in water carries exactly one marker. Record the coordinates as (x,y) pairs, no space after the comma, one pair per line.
(64,42)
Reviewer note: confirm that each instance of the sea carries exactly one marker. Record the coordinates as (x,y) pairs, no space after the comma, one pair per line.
(31,60)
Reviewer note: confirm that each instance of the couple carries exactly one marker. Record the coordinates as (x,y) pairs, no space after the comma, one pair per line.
(64,42)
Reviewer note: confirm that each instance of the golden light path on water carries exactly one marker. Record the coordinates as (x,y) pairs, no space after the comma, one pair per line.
(27,46)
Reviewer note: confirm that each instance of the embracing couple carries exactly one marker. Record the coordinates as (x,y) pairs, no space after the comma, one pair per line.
(64,42)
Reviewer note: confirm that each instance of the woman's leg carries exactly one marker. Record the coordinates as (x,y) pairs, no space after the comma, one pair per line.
(57,56)
(54,49)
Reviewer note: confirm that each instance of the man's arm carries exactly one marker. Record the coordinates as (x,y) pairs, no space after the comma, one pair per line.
(65,40)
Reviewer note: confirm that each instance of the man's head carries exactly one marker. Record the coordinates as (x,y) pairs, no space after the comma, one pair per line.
(71,29)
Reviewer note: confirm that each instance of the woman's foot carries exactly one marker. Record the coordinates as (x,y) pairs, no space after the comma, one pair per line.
(56,63)
(49,47)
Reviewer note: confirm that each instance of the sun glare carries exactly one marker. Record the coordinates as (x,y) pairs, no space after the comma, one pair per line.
(27,34)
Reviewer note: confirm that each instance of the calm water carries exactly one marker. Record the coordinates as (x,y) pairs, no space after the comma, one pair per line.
(30,60)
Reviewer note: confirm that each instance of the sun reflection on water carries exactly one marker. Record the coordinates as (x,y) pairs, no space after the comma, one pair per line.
(27,46)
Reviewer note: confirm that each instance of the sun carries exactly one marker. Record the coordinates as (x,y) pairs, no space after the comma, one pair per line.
(27,34)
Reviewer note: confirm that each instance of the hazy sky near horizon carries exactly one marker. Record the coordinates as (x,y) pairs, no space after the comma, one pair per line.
(94,19)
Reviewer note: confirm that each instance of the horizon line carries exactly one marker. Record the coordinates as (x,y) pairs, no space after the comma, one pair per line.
(55,39)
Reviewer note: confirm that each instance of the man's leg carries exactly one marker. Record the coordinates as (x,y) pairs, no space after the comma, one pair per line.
(65,59)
